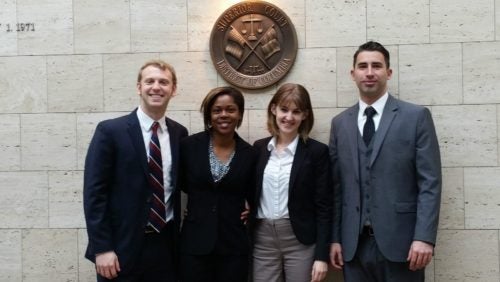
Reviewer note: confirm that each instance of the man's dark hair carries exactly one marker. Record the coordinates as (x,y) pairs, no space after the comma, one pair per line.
(373,46)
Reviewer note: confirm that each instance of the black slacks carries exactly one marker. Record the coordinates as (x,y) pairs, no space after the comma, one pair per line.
(155,262)
(214,268)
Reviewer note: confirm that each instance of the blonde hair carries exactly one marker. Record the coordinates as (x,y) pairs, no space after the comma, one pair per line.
(161,65)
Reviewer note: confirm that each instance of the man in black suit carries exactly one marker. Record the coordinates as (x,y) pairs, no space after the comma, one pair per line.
(133,219)
(387,176)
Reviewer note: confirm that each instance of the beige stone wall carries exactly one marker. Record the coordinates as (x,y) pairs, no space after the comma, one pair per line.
(79,66)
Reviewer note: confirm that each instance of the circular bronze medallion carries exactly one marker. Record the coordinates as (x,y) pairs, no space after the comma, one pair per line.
(253,44)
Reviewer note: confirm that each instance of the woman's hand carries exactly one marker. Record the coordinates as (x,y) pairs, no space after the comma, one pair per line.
(319,270)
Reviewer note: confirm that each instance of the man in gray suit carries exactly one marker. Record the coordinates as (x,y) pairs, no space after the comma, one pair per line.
(387,172)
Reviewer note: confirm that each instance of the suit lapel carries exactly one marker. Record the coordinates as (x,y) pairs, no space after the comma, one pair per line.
(261,165)
(390,112)
(174,136)
(298,160)
(352,132)
(135,133)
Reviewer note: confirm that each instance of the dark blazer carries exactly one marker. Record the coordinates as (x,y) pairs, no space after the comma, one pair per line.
(213,223)
(309,194)
(405,176)
(116,193)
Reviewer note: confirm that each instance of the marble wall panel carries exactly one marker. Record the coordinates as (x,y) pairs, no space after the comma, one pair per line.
(482,191)
(66,199)
(467,135)
(316,70)
(23,200)
(430,271)
(48,142)
(10,142)
(202,17)
(120,79)
(257,125)
(50,255)
(75,83)
(467,255)
(460,21)
(323,122)
(481,73)
(8,34)
(452,199)
(10,255)
(23,84)
(196,76)
(102,26)
(422,78)
(335,23)
(412,18)
(257,98)
(196,123)
(497,18)
(159,26)
(182,117)
(86,269)
(53,27)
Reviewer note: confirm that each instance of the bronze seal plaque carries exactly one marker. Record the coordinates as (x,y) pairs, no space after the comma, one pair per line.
(253,44)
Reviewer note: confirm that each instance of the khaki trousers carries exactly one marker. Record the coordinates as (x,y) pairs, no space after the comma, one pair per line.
(277,255)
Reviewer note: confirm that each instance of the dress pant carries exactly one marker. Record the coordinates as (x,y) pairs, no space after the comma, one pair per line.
(155,262)
(214,268)
(278,255)
(369,265)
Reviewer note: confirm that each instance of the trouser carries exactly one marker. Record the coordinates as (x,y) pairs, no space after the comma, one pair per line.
(155,262)
(278,255)
(369,265)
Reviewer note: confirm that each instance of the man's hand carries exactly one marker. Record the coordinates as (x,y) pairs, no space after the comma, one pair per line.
(107,265)
(319,270)
(420,255)
(336,256)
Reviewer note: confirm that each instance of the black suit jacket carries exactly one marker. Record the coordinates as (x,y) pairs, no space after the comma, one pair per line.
(309,194)
(116,193)
(213,223)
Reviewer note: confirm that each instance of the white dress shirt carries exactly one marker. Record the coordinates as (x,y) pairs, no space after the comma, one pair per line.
(275,185)
(146,122)
(378,106)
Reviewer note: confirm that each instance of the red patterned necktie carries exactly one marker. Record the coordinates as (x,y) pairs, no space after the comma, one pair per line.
(157,215)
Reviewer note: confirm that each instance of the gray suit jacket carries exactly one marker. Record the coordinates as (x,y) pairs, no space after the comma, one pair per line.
(405,175)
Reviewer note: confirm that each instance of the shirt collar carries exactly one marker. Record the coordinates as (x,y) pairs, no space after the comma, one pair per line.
(291,148)
(378,105)
(146,122)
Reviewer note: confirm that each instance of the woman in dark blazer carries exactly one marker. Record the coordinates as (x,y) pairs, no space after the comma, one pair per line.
(292,218)
(216,172)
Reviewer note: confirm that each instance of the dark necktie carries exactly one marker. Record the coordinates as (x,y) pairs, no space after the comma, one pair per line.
(369,128)
(157,216)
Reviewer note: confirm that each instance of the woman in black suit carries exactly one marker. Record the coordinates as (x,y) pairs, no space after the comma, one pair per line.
(292,219)
(216,172)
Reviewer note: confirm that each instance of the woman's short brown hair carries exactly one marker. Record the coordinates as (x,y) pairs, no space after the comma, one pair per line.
(209,100)
(291,93)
